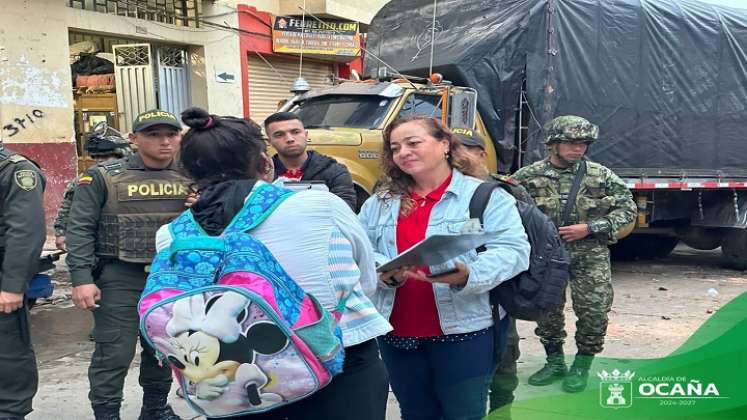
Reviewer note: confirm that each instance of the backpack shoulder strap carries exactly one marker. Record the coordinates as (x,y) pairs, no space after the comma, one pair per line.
(479,202)
(185,226)
(260,204)
(480,198)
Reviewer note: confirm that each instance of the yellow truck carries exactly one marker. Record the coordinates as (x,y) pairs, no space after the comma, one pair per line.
(664,83)
(346,121)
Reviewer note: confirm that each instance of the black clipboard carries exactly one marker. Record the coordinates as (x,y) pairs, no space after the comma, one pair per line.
(437,249)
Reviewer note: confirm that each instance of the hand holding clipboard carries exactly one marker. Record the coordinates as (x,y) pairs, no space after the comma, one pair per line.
(437,250)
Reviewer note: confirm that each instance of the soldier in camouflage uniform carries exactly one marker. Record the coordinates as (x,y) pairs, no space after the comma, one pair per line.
(101,148)
(603,206)
(505,380)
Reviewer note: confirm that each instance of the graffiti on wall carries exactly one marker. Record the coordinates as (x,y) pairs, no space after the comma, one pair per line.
(19,123)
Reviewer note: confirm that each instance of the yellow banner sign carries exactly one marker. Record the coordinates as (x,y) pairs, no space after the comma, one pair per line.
(292,35)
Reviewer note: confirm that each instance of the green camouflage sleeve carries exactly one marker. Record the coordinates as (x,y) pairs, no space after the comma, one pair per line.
(527,173)
(60,222)
(517,190)
(521,175)
(622,211)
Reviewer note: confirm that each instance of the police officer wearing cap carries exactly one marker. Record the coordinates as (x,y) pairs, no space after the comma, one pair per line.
(117,208)
(505,380)
(22,235)
(602,206)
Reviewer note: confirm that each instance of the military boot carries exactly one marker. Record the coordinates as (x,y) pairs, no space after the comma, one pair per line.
(578,374)
(106,412)
(156,407)
(553,370)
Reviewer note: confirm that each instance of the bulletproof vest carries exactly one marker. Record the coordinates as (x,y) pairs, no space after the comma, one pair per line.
(138,202)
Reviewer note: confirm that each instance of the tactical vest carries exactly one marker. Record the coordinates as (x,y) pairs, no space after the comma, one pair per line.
(550,196)
(138,203)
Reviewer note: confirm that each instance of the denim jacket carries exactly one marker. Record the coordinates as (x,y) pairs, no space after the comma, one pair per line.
(461,309)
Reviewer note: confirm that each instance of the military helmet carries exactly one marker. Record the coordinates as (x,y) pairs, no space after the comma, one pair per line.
(570,128)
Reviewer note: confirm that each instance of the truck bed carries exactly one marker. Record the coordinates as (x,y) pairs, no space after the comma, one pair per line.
(664,79)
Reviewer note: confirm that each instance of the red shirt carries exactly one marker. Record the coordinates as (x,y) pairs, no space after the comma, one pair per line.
(292,174)
(415,313)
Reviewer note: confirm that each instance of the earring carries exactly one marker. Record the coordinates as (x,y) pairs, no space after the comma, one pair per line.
(447,155)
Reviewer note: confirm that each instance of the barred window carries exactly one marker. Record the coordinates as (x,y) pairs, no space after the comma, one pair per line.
(174,12)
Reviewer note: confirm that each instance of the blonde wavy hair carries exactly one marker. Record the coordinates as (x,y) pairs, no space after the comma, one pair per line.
(395,182)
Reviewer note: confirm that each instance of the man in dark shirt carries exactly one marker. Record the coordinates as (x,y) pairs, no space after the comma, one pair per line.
(294,163)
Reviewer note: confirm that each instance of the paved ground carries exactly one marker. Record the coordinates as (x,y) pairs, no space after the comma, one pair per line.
(657,306)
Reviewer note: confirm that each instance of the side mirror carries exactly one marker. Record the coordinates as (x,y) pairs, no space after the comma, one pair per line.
(462,108)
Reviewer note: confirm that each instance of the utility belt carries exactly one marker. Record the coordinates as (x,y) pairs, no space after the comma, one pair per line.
(103,261)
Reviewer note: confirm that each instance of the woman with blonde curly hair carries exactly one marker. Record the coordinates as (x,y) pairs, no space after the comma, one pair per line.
(440,355)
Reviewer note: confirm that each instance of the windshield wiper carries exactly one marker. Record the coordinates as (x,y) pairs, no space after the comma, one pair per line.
(316,126)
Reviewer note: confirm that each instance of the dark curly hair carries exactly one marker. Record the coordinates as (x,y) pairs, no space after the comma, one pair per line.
(217,148)
(397,183)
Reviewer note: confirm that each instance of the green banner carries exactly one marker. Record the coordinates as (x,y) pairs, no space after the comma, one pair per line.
(703,379)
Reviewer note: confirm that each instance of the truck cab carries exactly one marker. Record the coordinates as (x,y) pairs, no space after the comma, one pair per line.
(346,121)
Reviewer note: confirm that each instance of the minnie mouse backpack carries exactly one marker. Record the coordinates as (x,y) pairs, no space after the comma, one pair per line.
(241,336)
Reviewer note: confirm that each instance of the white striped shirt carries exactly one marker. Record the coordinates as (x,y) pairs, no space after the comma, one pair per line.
(320,243)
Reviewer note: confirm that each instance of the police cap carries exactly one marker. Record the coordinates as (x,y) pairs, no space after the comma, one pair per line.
(469,137)
(153,118)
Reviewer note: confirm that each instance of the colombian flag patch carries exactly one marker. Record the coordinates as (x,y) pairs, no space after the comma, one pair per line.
(85,180)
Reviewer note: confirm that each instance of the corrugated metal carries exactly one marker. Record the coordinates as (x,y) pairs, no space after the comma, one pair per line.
(268,86)
(173,86)
(135,90)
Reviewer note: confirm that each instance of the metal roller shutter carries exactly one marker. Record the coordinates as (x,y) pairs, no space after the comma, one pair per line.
(269,84)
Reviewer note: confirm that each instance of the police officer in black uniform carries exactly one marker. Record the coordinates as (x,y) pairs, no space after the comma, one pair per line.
(117,208)
(22,235)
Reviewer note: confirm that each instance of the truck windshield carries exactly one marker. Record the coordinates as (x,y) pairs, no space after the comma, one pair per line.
(354,111)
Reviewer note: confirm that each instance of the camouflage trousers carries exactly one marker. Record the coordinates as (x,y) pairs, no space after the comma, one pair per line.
(591,295)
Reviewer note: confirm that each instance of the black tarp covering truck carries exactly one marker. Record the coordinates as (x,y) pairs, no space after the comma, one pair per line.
(666,81)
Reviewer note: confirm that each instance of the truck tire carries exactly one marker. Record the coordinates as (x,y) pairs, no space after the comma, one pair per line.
(643,247)
(699,237)
(734,248)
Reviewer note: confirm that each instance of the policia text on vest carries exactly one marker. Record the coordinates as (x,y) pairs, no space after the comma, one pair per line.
(146,191)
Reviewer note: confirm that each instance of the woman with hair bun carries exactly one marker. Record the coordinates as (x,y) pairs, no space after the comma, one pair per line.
(441,354)
(314,236)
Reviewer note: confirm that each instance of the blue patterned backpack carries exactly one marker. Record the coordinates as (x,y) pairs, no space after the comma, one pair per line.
(241,336)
